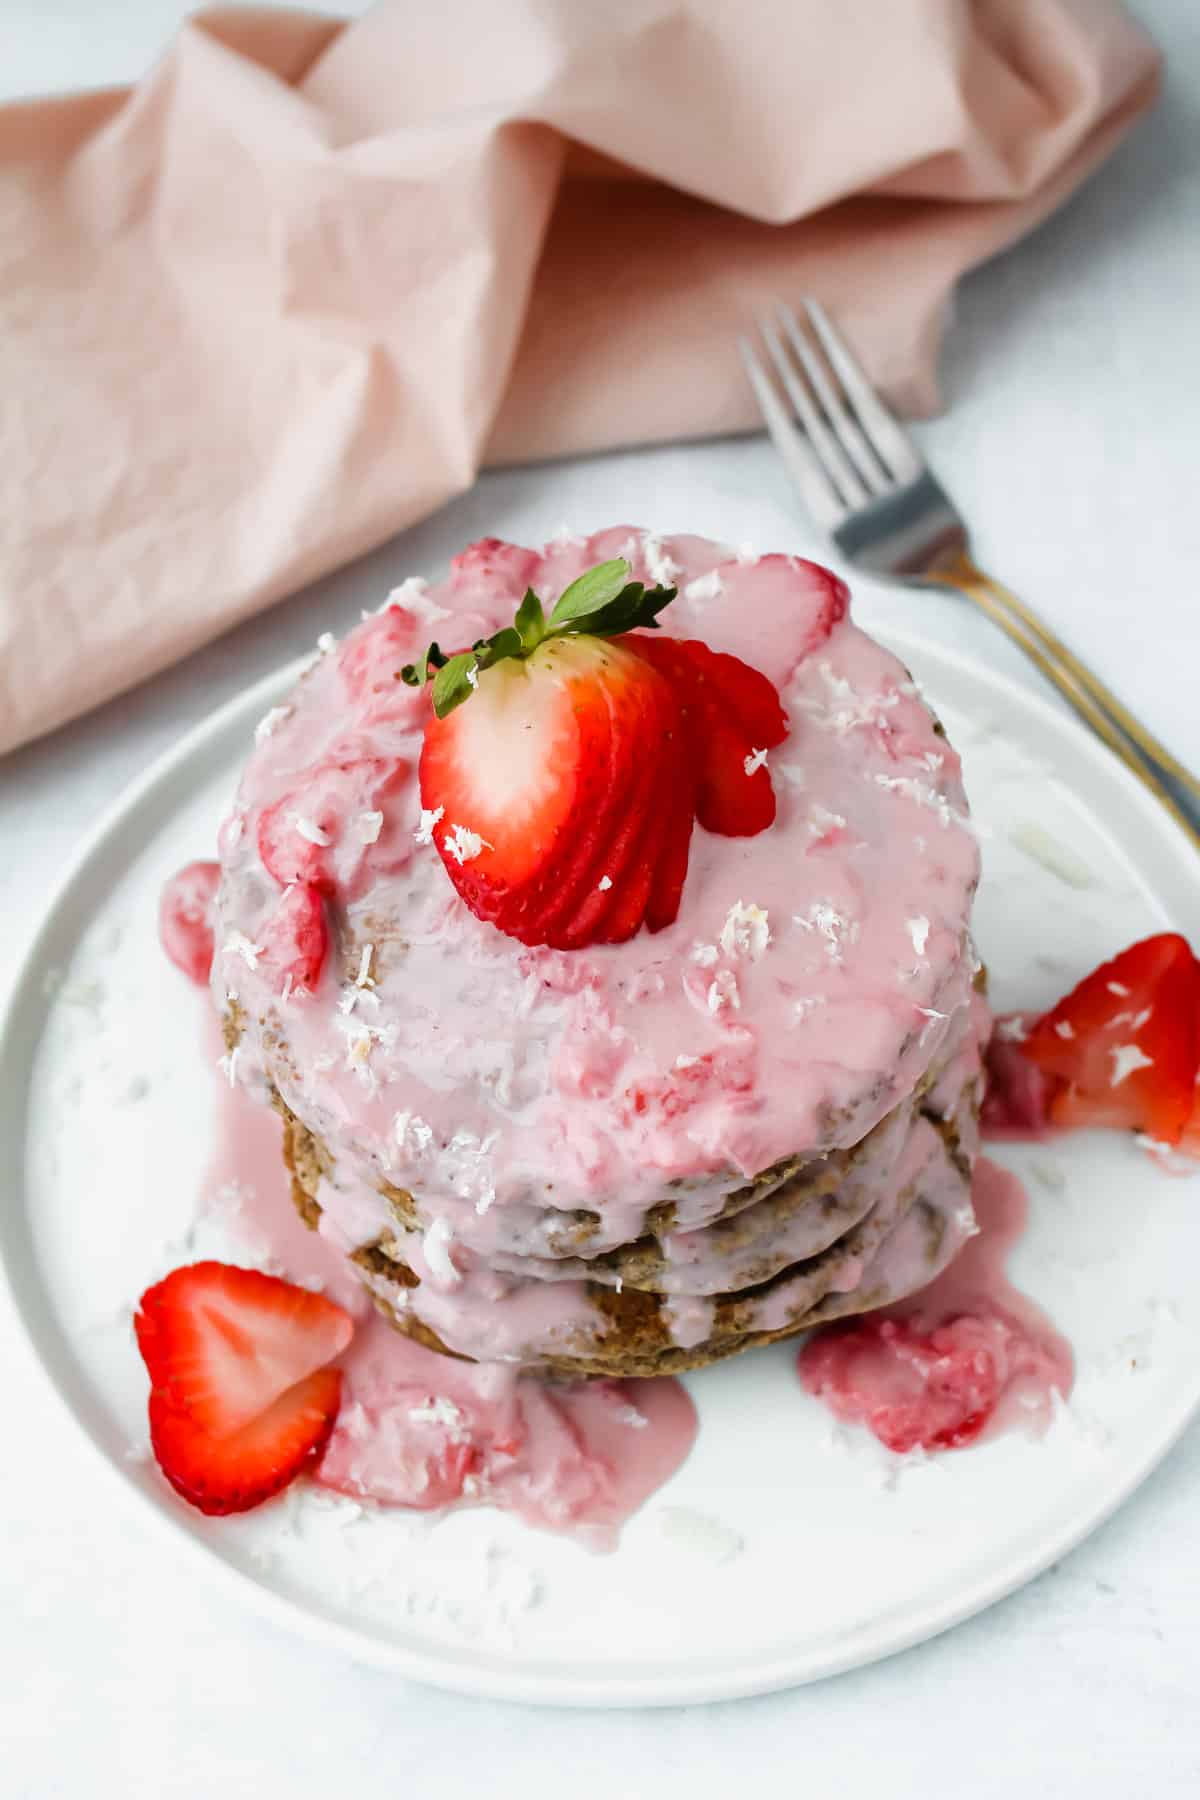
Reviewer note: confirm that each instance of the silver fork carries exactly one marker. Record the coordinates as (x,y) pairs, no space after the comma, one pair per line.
(866,485)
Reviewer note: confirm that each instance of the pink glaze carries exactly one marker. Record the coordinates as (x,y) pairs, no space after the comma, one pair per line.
(421,1430)
(1016,1098)
(506,1088)
(185,919)
(969,1354)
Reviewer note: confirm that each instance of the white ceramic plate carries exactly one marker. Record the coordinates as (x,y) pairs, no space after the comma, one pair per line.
(846,1553)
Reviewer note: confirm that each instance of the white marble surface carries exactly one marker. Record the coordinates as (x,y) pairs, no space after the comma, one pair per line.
(1070,438)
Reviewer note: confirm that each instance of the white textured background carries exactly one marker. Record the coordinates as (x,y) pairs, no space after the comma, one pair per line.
(1071,440)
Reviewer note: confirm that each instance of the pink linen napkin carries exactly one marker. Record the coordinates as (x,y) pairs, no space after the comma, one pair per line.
(286,295)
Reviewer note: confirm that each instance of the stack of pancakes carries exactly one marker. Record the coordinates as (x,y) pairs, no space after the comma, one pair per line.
(636,1158)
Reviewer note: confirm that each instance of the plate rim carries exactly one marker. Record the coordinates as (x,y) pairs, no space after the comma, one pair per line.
(438,1665)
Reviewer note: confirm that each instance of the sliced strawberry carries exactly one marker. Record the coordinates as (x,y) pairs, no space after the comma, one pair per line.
(1189,1141)
(294,942)
(223,1343)
(544,779)
(734,712)
(185,925)
(749,698)
(611,902)
(1124,1045)
(234,1473)
(675,833)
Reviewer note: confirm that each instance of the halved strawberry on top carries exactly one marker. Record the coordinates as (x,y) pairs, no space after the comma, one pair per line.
(1122,1048)
(544,784)
(568,759)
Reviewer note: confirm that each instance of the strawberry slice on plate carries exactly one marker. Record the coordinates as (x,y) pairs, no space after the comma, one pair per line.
(1122,1047)
(233,1474)
(241,1392)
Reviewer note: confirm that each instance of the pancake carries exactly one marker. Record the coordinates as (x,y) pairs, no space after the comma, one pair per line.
(637,1157)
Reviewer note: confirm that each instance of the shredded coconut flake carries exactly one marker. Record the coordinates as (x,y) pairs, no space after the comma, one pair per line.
(821,821)
(436,1409)
(922,794)
(700,1533)
(430,816)
(367,827)
(1127,1059)
(629,1415)
(755,761)
(746,553)
(604,883)
(705,954)
(723,992)
(436,1247)
(364,978)
(412,1133)
(834,927)
(745,931)
(309,830)
(663,568)
(1064,1029)
(1011,1031)
(238,944)
(807,1004)
(1053,855)
(1119,989)
(918,931)
(326,642)
(463,844)
(705,587)
(270,722)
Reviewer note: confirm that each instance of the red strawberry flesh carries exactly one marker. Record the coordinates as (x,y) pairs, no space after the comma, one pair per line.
(1123,1045)
(185,925)
(224,1343)
(234,1473)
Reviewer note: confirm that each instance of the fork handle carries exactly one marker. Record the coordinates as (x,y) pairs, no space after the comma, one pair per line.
(1167,779)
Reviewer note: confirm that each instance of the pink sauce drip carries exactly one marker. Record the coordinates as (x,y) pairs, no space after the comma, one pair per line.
(185,924)
(1016,1100)
(421,1430)
(966,1356)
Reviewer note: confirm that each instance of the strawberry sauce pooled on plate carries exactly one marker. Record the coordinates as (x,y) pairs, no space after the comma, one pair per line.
(598,920)
(429,1432)
(968,1355)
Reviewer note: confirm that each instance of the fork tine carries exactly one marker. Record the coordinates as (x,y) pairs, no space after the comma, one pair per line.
(893,446)
(824,443)
(871,468)
(811,483)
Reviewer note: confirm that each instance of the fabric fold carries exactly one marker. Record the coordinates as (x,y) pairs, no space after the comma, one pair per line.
(285,296)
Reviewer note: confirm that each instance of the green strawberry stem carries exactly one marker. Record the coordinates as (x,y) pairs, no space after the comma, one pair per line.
(602,602)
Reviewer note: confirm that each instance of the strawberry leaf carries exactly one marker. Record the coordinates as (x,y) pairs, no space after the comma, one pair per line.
(417,674)
(602,602)
(633,606)
(530,621)
(590,592)
(452,684)
(494,649)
